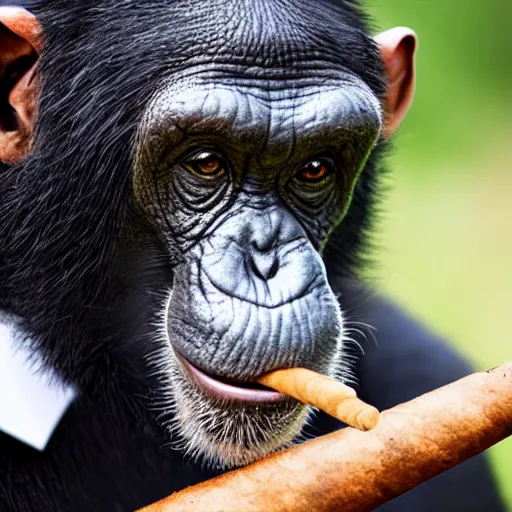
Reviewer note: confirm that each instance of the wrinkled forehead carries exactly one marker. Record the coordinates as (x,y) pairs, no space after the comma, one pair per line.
(235,100)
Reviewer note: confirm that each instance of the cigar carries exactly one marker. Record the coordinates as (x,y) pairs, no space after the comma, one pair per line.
(324,393)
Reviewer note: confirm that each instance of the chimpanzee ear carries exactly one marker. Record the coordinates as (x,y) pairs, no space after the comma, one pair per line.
(398,50)
(20,44)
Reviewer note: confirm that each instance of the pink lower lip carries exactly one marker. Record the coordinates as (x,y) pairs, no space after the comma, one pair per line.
(227,391)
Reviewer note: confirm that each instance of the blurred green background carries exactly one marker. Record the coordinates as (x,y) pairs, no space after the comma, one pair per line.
(445,239)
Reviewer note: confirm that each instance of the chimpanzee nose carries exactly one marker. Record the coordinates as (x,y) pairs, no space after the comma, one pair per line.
(264,264)
(265,237)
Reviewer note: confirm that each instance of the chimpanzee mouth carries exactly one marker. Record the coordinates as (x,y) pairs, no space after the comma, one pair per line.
(226,389)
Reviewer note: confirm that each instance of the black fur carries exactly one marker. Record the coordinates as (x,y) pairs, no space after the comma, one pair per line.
(61,216)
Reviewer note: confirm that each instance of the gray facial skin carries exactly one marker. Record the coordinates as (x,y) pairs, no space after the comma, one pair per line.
(250,293)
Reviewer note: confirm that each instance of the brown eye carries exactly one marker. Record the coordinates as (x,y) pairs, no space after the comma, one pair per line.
(206,165)
(315,171)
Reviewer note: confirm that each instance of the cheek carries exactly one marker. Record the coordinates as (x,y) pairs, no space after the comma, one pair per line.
(178,207)
(319,224)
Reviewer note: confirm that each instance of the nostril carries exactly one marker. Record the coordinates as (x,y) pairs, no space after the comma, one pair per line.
(264,266)
(273,269)
(262,245)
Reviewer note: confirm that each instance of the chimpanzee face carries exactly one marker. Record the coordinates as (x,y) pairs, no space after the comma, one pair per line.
(238,131)
(246,175)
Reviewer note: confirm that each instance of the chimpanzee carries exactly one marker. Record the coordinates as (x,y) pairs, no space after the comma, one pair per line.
(186,195)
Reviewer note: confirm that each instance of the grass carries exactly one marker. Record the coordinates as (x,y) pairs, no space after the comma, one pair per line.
(446,256)
(446,239)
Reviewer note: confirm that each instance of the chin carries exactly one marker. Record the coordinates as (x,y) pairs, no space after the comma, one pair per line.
(223,425)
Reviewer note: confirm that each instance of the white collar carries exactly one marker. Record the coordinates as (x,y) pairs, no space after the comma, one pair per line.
(33,400)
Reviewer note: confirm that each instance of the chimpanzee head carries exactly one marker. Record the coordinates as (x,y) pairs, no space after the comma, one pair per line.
(179,175)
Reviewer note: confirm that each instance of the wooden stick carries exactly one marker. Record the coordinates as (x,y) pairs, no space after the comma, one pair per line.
(329,395)
(353,471)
